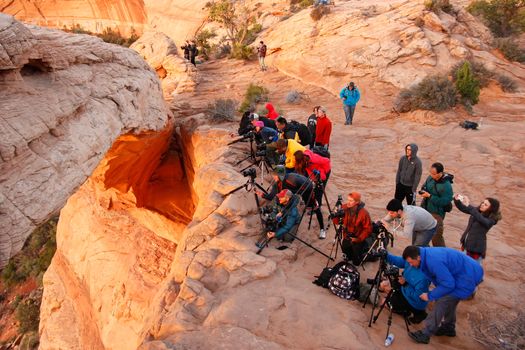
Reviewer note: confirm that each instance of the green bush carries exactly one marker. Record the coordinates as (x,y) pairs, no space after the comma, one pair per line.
(297,5)
(254,95)
(242,52)
(28,315)
(510,49)
(109,35)
(319,11)
(480,72)
(503,17)
(439,5)
(435,93)
(202,39)
(467,85)
(222,110)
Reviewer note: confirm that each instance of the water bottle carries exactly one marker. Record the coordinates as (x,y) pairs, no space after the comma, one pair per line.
(389,340)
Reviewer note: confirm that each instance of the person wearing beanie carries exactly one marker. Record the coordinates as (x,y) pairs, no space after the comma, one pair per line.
(357,227)
(267,122)
(408,174)
(418,224)
(267,135)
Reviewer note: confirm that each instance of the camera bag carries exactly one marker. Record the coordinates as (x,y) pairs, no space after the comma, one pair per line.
(345,282)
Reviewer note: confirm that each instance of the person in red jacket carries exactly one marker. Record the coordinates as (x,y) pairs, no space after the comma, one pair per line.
(307,161)
(272,114)
(357,227)
(323,129)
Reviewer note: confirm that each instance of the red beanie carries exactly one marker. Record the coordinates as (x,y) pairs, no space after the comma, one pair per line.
(356,196)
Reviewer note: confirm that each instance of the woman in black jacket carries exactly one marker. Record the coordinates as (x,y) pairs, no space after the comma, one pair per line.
(482,218)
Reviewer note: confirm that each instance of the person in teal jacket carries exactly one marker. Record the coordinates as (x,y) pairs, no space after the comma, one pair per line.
(350,96)
(413,283)
(437,194)
(455,275)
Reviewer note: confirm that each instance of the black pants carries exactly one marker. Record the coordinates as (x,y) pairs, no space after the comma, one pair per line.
(192,60)
(400,305)
(353,251)
(403,192)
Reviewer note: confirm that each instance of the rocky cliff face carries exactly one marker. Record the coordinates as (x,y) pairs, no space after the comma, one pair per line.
(65,99)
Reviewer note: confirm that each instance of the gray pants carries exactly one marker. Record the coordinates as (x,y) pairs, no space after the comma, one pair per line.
(423,238)
(443,315)
(349,113)
(261,63)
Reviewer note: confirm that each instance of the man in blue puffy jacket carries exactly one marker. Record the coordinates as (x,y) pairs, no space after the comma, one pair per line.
(413,283)
(350,96)
(455,276)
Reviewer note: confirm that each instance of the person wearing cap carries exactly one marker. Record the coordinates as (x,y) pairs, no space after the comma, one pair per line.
(323,129)
(417,223)
(296,183)
(357,227)
(288,216)
(268,135)
(350,96)
(288,148)
(267,122)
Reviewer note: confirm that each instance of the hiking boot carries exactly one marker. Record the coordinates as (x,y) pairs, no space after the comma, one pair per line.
(419,337)
(445,331)
(418,318)
(322,234)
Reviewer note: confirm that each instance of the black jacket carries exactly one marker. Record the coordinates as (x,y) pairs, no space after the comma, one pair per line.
(474,239)
(294,182)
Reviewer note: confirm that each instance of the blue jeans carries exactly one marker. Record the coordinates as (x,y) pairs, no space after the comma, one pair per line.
(349,113)
(423,238)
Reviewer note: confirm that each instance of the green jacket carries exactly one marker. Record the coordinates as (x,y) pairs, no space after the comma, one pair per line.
(441,195)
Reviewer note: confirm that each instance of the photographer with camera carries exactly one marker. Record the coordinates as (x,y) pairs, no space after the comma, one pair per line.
(437,194)
(455,276)
(357,227)
(287,216)
(407,289)
(417,223)
(293,130)
(481,220)
(288,148)
(267,135)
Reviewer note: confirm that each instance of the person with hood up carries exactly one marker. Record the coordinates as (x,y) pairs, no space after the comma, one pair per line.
(307,162)
(350,96)
(482,218)
(408,175)
(357,227)
(272,114)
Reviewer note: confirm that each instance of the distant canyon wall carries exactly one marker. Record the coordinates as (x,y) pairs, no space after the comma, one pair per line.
(65,99)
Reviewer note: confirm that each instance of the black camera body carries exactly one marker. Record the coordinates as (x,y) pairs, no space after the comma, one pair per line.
(392,271)
(261,153)
(269,218)
(250,172)
(337,214)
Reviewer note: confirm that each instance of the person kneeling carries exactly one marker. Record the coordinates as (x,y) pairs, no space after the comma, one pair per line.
(358,226)
(288,217)
(405,300)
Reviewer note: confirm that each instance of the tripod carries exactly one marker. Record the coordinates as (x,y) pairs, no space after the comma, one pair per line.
(249,186)
(338,239)
(395,289)
(381,241)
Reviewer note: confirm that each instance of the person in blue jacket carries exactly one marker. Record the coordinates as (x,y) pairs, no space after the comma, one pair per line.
(288,216)
(413,283)
(455,276)
(350,96)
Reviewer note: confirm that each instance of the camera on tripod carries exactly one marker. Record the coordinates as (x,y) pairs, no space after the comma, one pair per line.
(269,218)
(337,214)
(249,172)
(261,146)
(260,153)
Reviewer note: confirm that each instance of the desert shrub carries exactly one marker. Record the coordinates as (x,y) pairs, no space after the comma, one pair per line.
(28,315)
(480,72)
(319,11)
(251,33)
(467,85)
(222,110)
(242,52)
(35,257)
(503,17)
(222,50)
(202,40)
(435,93)
(297,5)
(439,5)
(293,96)
(29,341)
(507,84)
(510,49)
(108,35)
(254,95)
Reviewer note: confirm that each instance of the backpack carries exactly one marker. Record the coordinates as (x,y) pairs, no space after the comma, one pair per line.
(302,130)
(450,178)
(345,282)
(323,152)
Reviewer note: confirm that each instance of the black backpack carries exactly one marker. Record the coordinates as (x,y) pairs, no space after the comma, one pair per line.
(323,152)
(450,178)
(345,282)
(302,130)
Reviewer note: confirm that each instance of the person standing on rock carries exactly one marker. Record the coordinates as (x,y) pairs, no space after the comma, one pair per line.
(186,50)
(311,123)
(261,53)
(350,96)
(455,276)
(193,52)
(324,128)
(437,194)
(408,175)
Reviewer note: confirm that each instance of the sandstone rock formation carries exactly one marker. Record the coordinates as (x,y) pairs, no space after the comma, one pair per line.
(65,99)
(176,73)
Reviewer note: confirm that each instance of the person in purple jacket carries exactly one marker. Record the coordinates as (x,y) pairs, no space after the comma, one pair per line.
(455,276)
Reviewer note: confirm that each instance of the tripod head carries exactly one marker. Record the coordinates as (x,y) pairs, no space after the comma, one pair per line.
(250,135)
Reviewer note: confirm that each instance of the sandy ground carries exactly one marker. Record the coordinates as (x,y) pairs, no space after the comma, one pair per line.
(487,162)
